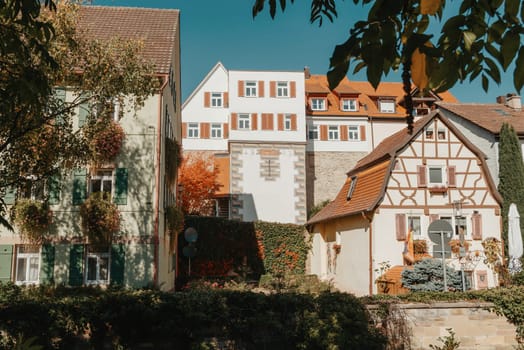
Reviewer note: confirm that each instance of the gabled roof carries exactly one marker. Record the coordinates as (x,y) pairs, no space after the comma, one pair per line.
(156,28)
(372,172)
(216,67)
(489,117)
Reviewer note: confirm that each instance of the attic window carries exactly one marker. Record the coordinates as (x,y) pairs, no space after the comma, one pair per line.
(352,186)
(386,106)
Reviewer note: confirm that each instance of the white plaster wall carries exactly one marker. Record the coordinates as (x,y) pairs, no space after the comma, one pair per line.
(381,129)
(268,200)
(338,145)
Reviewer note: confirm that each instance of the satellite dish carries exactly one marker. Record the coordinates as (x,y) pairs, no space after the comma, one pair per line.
(189,251)
(440,233)
(191,235)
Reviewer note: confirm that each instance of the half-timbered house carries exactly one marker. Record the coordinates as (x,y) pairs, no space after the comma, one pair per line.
(406,183)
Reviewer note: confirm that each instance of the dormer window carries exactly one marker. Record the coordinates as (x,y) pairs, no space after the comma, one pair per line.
(318,104)
(349,104)
(351,188)
(386,106)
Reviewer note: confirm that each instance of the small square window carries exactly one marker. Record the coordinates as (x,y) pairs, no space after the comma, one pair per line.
(192,130)
(333,132)
(429,134)
(244,122)
(282,89)
(318,104)
(216,131)
(216,99)
(436,175)
(441,134)
(353,133)
(313,132)
(250,89)
(386,106)
(287,122)
(349,104)
(414,225)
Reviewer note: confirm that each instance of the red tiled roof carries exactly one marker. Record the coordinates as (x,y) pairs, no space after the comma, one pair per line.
(156,28)
(488,116)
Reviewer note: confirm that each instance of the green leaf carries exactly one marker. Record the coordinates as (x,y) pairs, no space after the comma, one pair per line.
(512,8)
(493,71)
(494,52)
(518,74)
(469,39)
(510,45)
(485,83)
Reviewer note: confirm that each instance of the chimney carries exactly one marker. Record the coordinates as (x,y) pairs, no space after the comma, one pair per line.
(501,100)
(307,73)
(513,101)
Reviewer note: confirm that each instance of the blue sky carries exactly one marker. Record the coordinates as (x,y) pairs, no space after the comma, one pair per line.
(224,30)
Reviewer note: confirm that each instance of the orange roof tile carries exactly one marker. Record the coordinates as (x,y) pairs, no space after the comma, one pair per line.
(488,116)
(157,28)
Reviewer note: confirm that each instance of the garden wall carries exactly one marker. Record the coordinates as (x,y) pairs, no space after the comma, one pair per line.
(474,325)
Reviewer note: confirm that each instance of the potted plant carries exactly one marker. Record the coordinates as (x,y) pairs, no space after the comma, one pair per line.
(32,218)
(106,138)
(455,246)
(100,218)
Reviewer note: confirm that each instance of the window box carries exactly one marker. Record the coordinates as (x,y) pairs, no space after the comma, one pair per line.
(438,189)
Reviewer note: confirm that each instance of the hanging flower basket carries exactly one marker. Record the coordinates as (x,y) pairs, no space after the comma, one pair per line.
(100,219)
(32,218)
(106,140)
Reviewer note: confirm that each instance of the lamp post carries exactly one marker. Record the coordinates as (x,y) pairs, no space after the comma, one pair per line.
(457,213)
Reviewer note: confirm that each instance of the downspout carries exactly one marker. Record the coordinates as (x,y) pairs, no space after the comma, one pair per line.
(156,240)
(370,252)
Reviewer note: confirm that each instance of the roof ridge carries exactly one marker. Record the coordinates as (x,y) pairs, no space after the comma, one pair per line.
(131,8)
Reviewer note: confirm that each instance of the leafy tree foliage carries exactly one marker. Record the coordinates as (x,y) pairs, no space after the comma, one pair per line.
(511,175)
(428,275)
(481,40)
(198,175)
(42,50)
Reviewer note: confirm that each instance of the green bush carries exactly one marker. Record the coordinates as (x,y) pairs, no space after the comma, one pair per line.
(428,275)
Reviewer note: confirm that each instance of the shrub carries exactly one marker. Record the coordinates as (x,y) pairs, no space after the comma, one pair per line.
(428,275)
(32,218)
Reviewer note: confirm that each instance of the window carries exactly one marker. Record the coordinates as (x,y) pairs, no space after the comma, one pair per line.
(460,226)
(250,89)
(386,106)
(216,131)
(192,130)
(97,265)
(349,104)
(436,175)
(353,133)
(333,132)
(351,188)
(441,134)
(27,264)
(429,134)
(243,122)
(32,189)
(313,132)
(282,89)
(318,104)
(287,122)
(102,181)
(414,224)
(216,99)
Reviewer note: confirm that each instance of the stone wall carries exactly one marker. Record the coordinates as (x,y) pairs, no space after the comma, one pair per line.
(475,327)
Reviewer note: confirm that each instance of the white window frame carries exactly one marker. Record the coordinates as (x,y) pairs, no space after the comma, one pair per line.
(432,170)
(386,106)
(333,133)
(244,121)
(350,104)
(250,88)
(32,189)
(313,131)
(29,259)
(192,130)
(416,221)
(216,131)
(318,104)
(353,132)
(287,122)
(217,99)
(105,176)
(98,256)
(282,88)
(429,133)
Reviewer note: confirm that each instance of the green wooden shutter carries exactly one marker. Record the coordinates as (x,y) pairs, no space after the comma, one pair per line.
(53,189)
(79,186)
(83,112)
(47,274)
(60,94)
(76,257)
(120,196)
(10,196)
(118,258)
(6,261)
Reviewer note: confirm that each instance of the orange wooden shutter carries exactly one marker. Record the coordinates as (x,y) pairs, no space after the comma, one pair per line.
(226,99)
(293,122)
(184,130)
(362,133)
(234,121)
(280,124)
(240,88)
(271,122)
(452,181)
(293,88)
(476,227)
(261,88)
(400,226)
(254,121)
(205,130)
(323,132)
(421,176)
(267,122)
(207,99)
(226,130)
(344,132)
(272,88)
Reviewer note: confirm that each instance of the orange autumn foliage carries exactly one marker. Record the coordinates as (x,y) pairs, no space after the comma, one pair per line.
(199,176)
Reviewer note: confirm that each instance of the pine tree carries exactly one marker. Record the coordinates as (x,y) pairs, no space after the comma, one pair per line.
(511,175)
